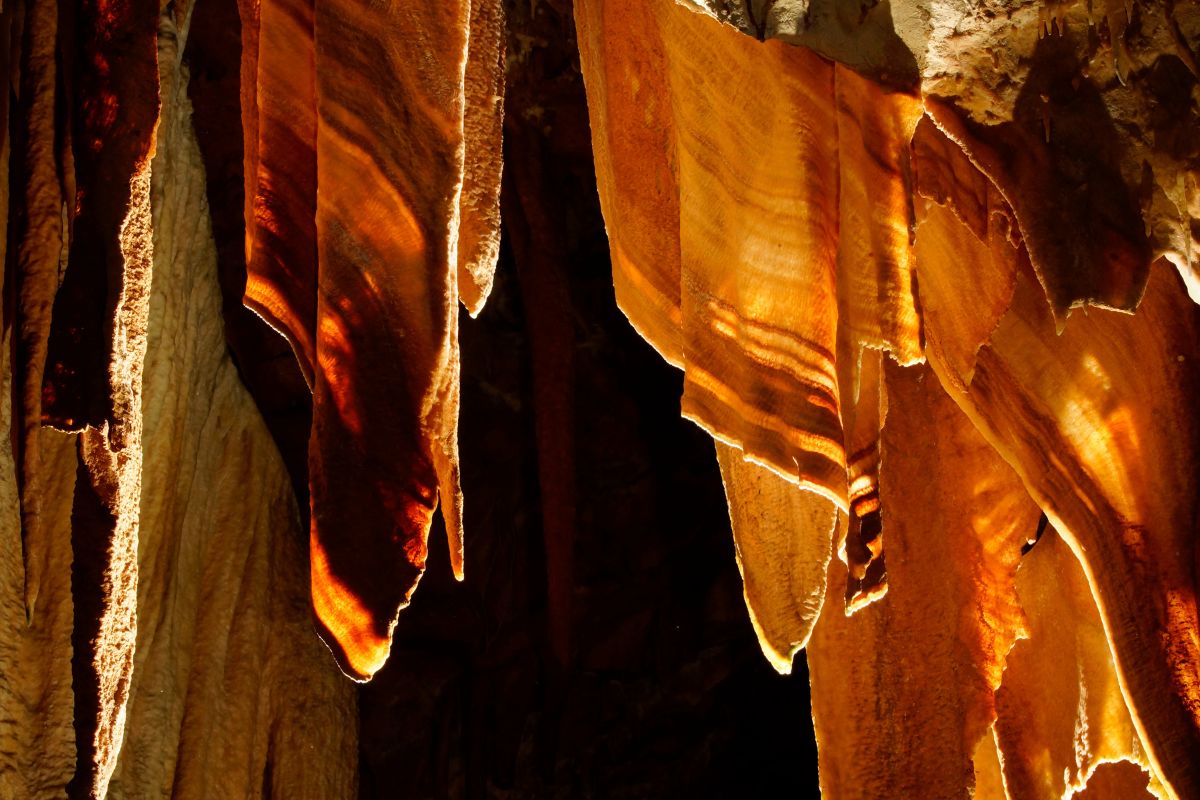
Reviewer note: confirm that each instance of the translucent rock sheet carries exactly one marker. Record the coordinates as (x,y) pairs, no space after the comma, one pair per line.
(1092,420)
(784,540)
(280,131)
(903,689)
(831,231)
(374,213)
(788,257)
(634,144)
(1060,714)
(1088,108)
(1098,424)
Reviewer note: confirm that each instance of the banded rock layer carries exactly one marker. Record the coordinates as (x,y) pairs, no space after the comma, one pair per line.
(369,213)
(926,274)
(157,629)
(795,238)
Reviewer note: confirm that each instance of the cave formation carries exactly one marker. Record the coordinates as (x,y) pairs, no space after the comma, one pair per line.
(923,276)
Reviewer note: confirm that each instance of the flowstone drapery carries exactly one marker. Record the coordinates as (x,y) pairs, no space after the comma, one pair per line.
(929,274)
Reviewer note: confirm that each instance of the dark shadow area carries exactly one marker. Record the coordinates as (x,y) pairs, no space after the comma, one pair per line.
(667,693)
(1061,151)
(644,678)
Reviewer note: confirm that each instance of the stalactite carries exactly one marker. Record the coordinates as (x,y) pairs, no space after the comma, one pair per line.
(367,295)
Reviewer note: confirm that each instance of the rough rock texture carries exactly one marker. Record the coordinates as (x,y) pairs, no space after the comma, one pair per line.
(236,677)
(97,345)
(1091,104)
(207,678)
(37,758)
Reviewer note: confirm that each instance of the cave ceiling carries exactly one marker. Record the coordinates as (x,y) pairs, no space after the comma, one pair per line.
(926,272)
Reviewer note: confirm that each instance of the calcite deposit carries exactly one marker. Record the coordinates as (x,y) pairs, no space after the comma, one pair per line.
(983,190)
(929,272)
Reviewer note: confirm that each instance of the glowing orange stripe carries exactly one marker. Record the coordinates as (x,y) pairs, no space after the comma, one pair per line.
(346,618)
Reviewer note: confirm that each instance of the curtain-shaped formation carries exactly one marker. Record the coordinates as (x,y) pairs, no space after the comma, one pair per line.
(370,212)
(1084,237)
(902,690)
(1098,423)
(1087,107)
(783,539)
(796,238)
(876,300)
(1059,713)
(630,109)
(776,348)
(774,276)
(153,590)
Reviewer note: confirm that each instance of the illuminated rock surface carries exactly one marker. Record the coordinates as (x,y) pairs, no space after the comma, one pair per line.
(995,194)
(368,294)
(927,275)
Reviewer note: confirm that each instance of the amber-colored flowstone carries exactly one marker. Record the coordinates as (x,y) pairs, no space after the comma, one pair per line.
(373,213)
(925,272)
(933,238)
(915,673)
